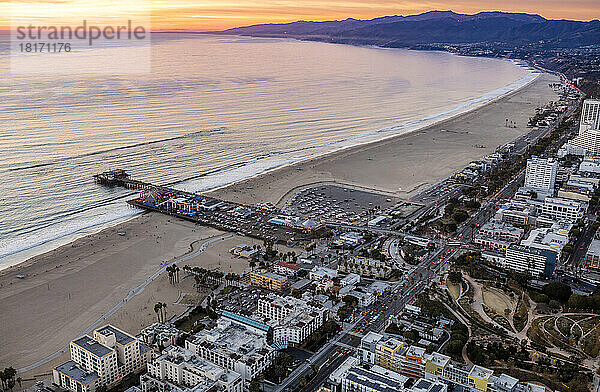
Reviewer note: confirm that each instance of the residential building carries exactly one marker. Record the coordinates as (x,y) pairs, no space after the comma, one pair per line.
(234,347)
(516,213)
(592,255)
(101,360)
(540,174)
(368,346)
(320,273)
(358,379)
(529,260)
(563,209)
(590,115)
(389,354)
(269,280)
(162,335)
(547,238)
(413,362)
(590,165)
(351,279)
(439,367)
(293,320)
(72,377)
(378,379)
(178,368)
(287,269)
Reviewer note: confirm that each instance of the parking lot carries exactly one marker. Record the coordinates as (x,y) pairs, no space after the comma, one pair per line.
(333,203)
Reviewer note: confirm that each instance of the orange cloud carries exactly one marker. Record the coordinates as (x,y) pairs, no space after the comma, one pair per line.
(221,14)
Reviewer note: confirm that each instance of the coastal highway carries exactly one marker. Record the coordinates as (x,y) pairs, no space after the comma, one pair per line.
(129,296)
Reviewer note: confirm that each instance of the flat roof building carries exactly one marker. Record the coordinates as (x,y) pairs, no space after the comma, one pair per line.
(532,261)
(234,347)
(269,280)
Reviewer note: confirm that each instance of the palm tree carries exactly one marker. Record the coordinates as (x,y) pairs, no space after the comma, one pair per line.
(164,309)
(157,308)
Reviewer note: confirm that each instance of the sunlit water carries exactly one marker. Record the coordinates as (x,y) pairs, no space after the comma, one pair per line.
(213,110)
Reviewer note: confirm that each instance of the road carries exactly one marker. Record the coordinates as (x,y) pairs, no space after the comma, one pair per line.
(374,318)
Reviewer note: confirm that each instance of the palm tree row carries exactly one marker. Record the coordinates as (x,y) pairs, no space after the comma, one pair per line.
(204,276)
(173,271)
(7,377)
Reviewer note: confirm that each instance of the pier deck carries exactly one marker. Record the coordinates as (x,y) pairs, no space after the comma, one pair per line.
(262,222)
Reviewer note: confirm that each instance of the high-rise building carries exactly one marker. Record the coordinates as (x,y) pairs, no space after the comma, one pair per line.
(590,115)
(589,128)
(588,138)
(541,174)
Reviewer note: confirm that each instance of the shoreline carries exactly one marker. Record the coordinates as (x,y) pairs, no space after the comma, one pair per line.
(24,255)
(225,191)
(373,143)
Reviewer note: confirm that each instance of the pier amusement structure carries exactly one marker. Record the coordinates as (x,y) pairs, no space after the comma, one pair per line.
(262,221)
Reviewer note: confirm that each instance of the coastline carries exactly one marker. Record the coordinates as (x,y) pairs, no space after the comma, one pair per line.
(71,286)
(319,172)
(213,182)
(437,120)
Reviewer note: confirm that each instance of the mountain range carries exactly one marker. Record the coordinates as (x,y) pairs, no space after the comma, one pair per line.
(438,27)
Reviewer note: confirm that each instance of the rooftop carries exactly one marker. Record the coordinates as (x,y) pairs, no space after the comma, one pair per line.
(379,382)
(415,351)
(121,337)
(89,344)
(480,373)
(233,340)
(72,370)
(439,359)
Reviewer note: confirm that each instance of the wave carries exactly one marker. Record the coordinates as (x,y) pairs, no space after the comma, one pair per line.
(79,223)
(113,149)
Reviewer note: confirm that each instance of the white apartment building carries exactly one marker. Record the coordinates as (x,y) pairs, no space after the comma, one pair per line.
(590,115)
(531,261)
(178,369)
(233,347)
(320,273)
(368,346)
(106,358)
(292,319)
(540,174)
(563,209)
(589,140)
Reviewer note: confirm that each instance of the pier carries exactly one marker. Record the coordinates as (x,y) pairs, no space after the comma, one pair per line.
(262,222)
(120,178)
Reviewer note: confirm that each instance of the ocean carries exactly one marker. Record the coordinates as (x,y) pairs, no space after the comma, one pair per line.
(214,110)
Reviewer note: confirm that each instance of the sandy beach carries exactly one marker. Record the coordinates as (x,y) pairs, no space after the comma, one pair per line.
(64,291)
(404,165)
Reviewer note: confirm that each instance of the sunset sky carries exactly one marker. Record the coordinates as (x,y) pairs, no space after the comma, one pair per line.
(221,14)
